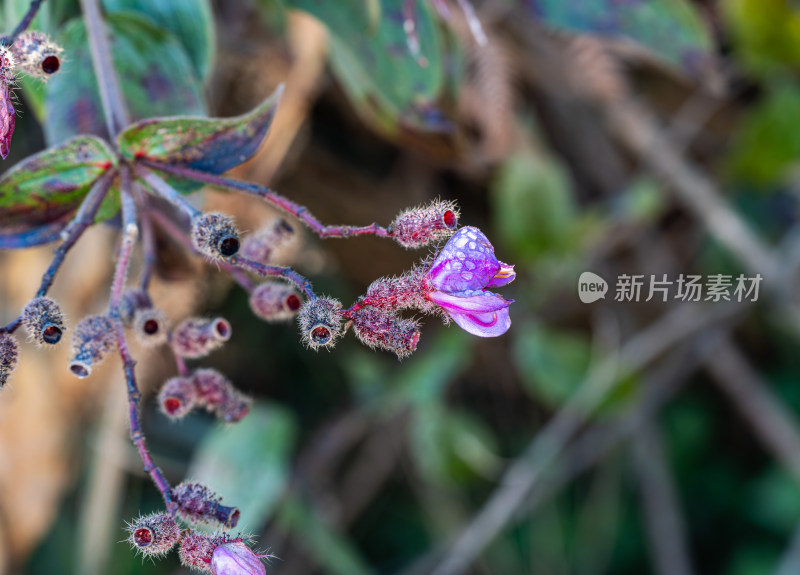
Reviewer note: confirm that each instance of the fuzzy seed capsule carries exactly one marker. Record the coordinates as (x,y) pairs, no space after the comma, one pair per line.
(199,504)
(320,322)
(215,236)
(9,356)
(197,549)
(177,397)
(132,300)
(385,331)
(154,535)
(275,301)
(150,326)
(94,337)
(37,55)
(197,337)
(44,321)
(218,395)
(422,225)
(262,245)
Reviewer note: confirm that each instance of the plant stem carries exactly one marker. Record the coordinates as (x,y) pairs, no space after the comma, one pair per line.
(23,25)
(276,200)
(130,232)
(114,108)
(276,271)
(164,190)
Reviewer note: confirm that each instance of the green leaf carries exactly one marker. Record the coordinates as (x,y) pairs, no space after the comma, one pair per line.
(213,145)
(248,463)
(156,76)
(50,185)
(671,30)
(390,86)
(331,549)
(191,21)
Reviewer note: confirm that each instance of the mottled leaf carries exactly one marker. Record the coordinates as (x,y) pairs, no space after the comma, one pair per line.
(191,21)
(49,186)
(213,145)
(394,88)
(156,76)
(670,29)
(248,463)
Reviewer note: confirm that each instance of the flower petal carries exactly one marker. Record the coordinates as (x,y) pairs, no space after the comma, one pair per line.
(490,324)
(505,275)
(466,262)
(479,301)
(236,558)
(7,116)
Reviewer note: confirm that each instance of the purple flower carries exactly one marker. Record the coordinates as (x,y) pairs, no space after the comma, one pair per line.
(236,558)
(465,266)
(7,115)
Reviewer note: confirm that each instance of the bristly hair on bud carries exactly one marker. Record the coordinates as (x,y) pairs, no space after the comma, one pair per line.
(153,535)
(376,328)
(37,55)
(197,337)
(9,356)
(218,395)
(150,327)
(94,337)
(263,245)
(320,322)
(197,549)
(177,397)
(44,321)
(275,301)
(199,504)
(423,225)
(215,236)
(132,300)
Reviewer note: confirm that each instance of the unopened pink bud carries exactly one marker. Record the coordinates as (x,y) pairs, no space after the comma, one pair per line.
(9,356)
(217,394)
(376,328)
(178,397)
(275,301)
(154,535)
(197,337)
(236,558)
(43,321)
(262,245)
(423,225)
(198,504)
(93,339)
(196,551)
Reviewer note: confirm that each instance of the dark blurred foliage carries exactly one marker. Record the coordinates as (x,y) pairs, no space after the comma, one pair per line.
(353,463)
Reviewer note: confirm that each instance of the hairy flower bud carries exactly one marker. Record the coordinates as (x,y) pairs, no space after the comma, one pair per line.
(407,291)
(43,321)
(196,551)
(36,54)
(236,558)
(9,356)
(197,337)
(423,225)
(177,397)
(376,328)
(198,504)
(215,236)
(154,534)
(217,394)
(150,326)
(320,322)
(262,245)
(275,301)
(94,337)
(132,300)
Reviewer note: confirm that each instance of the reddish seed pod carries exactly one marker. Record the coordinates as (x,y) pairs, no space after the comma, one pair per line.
(217,394)
(196,550)
(154,534)
(275,301)
(150,326)
(215,236)
(43,321)
(423,225)
(385,331)
(262,245)
(320,322)
(9,356)
(177,397)
(132,301)
(199,504)
(93,339)
(197,337)
(37,55)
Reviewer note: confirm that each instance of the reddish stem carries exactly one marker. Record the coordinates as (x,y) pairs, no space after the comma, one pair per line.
(276,271)
(276,200)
